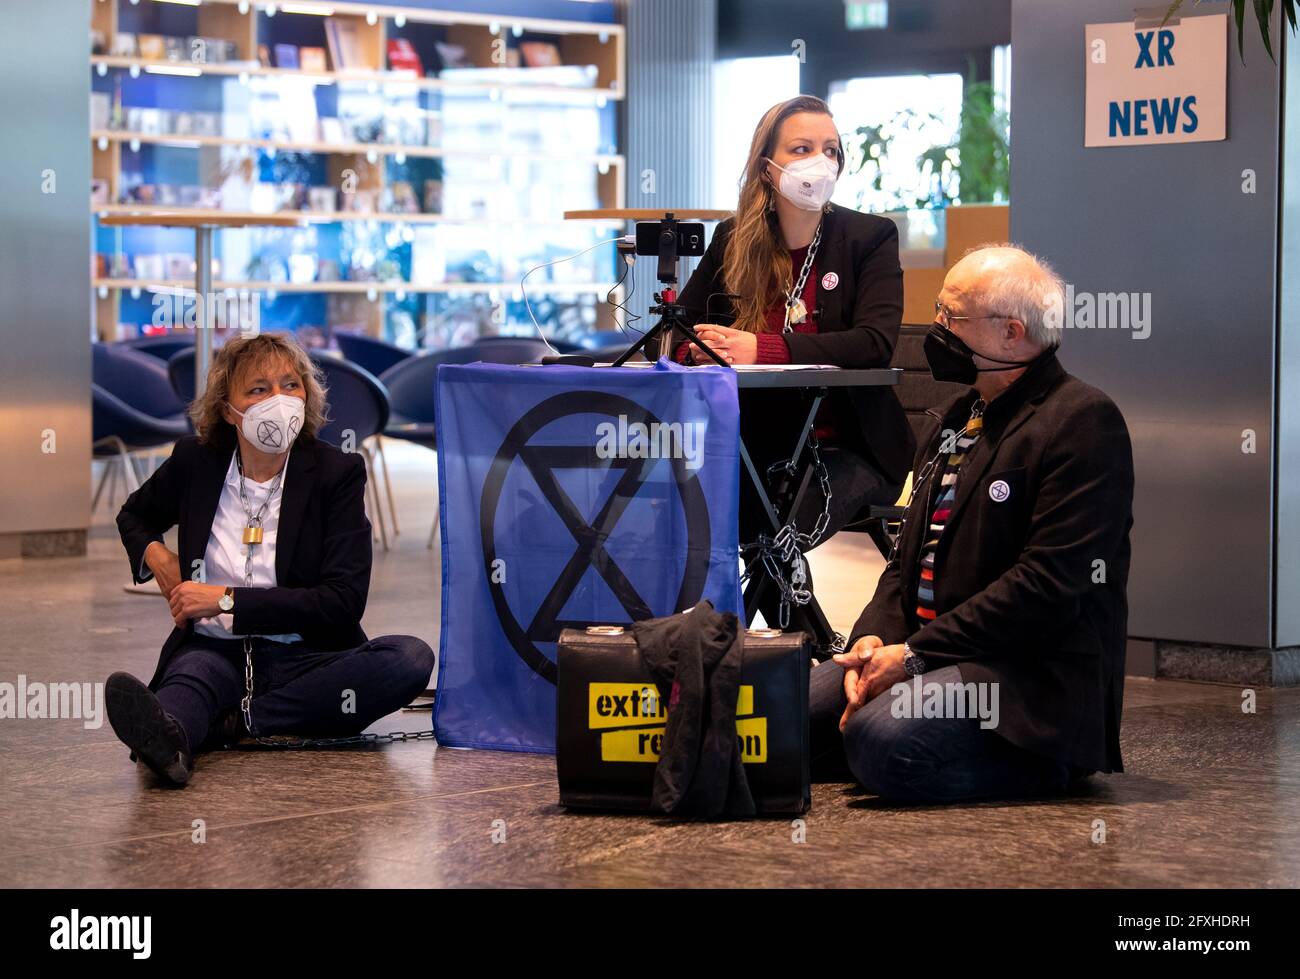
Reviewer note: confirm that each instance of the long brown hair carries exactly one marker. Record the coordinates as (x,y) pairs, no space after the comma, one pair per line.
(756,260)
(228,365)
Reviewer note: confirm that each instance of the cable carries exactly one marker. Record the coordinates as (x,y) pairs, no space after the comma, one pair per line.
(567,258)
(629,317)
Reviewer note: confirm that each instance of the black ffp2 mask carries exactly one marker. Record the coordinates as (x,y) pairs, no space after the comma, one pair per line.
(951,360)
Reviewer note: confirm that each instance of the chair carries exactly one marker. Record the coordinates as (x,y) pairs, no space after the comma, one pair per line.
(134,410)
(180,370)
(511,350)
(359,410)
(163,347)
(374,355)
(136,378)
(119,430)
(917,391)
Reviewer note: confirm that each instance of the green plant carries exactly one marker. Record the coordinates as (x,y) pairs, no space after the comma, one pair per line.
(1263,13)
(979,159)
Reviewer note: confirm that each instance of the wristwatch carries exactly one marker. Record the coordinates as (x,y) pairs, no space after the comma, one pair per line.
(227,601)
(913,665)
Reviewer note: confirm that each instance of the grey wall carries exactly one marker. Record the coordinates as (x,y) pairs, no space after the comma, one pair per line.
(1288,395)
(670,53)
(1171,220)
(44,265)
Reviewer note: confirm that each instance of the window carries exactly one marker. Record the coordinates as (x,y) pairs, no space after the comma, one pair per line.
(895,130)
(743,89)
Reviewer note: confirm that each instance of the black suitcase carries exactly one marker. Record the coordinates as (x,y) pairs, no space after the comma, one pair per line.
(610,717)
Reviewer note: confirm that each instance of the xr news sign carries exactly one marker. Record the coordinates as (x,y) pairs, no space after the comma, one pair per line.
(1154,84)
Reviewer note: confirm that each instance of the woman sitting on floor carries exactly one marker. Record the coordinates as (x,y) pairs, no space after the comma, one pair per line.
(269,585)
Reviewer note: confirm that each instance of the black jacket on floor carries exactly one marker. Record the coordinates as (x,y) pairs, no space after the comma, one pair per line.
(695,660)
(322,548)
(1032,566)
(858,322)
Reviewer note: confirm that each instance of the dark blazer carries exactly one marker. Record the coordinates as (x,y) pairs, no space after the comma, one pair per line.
(857,323)
(322,548)
(1030,591)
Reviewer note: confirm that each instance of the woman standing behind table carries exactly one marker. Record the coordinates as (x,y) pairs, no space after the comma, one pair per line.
(794,279)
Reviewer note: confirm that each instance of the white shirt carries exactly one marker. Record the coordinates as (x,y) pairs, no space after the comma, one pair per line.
(224,559)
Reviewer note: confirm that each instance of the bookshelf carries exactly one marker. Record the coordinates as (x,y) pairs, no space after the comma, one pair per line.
(429,155)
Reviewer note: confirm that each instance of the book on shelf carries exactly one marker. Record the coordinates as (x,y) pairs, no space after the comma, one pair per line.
(402,56)
(453,55)
(540,54)
(344,41)
(153,47)
(313,59)
(124,45)
(264,56)
(286,56)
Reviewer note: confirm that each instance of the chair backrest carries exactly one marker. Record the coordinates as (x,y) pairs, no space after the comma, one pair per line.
(511,350)
(374,355)
(917,390)
(112,416)
(358,402)
(410,384)
(180,371)
(164,347)
(136,378)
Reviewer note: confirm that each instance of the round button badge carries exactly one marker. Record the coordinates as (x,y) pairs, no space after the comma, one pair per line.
(830,280)
(999,491)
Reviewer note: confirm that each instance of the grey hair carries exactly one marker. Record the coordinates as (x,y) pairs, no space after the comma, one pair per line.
(1029,291)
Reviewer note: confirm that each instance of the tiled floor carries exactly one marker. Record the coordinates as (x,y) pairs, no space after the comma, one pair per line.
(1212,795)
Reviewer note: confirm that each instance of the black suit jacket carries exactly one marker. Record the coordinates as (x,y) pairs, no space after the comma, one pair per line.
(322,548)
(1030,591)
(857,324)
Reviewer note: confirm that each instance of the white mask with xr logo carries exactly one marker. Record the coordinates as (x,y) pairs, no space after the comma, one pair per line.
(272,424)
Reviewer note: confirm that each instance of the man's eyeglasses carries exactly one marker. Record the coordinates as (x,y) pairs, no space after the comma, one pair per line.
(944,314)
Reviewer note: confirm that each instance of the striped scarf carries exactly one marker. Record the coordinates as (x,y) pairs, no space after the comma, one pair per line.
(925,609)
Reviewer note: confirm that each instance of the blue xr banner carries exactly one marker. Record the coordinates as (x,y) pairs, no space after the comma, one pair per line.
(572,496)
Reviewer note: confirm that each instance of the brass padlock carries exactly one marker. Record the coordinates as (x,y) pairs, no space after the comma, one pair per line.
(252,534)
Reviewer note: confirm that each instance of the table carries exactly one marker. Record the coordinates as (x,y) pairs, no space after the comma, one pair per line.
(815,383)
(203,226)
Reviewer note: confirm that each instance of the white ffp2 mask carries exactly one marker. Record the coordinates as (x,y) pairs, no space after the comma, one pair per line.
(273,423)
(809,183)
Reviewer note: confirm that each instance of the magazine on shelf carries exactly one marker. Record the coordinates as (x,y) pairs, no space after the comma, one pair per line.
(344,41)
(403,57)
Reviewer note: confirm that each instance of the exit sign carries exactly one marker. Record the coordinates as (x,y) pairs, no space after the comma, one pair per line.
(866,15)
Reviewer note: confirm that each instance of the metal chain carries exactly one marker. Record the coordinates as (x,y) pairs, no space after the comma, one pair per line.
(786,548)
(245,705)
(289,741)
(792,295)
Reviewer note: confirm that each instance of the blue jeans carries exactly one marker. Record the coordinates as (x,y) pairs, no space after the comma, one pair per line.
(296,689)
(919,759)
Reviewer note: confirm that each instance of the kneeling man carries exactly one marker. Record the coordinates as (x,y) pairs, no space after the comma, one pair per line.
(990,662)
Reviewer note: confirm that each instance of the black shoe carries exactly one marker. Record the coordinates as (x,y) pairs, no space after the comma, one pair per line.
(152,734)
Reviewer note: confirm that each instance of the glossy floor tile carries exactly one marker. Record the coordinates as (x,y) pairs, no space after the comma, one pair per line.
(1211,796)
